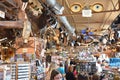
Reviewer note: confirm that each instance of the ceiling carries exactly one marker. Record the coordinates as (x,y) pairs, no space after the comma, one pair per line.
(99,20)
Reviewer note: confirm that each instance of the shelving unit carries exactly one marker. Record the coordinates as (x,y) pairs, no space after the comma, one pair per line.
(20,71)
(13,71)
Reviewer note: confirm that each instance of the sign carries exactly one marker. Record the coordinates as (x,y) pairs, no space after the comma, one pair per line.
(114,62)
(87,13)
(2,14)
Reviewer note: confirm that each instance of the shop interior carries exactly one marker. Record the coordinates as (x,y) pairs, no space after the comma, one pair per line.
(36,36)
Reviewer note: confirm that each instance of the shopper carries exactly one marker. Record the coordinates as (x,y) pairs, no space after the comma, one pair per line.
(69,74)
(55,75)
(61,69)
(83,76)
(52,66)
(95,77)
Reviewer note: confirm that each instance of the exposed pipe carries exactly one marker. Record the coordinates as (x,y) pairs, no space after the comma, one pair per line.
(58,9)
(91,22)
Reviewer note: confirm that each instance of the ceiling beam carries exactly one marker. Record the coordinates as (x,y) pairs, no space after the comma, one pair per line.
(11,24)
(90,22)
(92,12)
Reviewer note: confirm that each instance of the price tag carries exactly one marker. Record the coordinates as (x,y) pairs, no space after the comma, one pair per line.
(2,14)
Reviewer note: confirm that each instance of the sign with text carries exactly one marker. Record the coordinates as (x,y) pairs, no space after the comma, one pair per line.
(114,62)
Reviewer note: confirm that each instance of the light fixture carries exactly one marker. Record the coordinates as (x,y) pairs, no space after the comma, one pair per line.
(97,7)
(76,8)
(86,12)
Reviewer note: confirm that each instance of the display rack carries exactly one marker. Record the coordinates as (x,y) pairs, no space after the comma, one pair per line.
(89,67)
(13,71)
(20,71)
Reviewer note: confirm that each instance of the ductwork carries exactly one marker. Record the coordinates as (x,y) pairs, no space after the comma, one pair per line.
(58,9)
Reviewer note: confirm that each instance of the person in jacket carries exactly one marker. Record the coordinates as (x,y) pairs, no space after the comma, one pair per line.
(70,74)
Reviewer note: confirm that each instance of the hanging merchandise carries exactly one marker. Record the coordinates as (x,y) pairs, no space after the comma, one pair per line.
(89,67)
(83,31)
(86,55)
(40,70)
